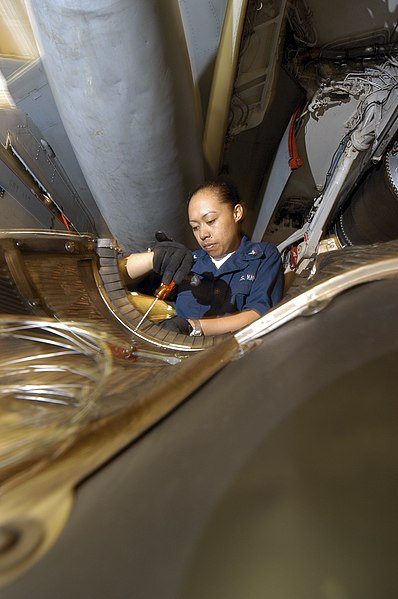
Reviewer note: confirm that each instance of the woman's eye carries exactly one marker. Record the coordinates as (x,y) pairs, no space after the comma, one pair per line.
(210,222)
(195,228)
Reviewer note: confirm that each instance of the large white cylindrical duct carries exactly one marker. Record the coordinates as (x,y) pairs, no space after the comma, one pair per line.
(120,75)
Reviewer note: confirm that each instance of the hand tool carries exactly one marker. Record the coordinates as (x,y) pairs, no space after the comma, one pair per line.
(161,293)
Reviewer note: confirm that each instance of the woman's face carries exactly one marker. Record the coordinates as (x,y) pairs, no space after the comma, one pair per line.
(215,224)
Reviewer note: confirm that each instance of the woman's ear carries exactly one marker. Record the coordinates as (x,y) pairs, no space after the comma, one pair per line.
(238,212)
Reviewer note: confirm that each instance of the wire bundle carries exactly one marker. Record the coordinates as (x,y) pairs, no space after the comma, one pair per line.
(51,375)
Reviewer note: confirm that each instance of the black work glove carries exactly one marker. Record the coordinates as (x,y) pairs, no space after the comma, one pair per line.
(172,261)
(176,324)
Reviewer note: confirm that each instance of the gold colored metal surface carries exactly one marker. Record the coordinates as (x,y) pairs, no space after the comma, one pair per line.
(51,375)
(69,276)
(160,311)
(33,533)
(17,39)
(136,405)
(124,277)
(223,80)
(76,384)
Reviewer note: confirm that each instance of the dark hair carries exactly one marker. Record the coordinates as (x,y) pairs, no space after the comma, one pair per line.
(226,191)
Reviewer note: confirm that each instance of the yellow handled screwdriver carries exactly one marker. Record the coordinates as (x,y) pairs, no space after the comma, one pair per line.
(161,293)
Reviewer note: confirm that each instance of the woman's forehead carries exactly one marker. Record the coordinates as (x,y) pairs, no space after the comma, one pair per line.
(205,200)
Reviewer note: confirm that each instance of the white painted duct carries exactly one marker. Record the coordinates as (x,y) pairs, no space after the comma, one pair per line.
(120,75)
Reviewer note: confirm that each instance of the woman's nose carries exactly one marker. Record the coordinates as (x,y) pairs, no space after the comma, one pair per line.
(204,233)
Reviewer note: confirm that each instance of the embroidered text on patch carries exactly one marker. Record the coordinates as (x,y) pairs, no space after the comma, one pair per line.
(250,276)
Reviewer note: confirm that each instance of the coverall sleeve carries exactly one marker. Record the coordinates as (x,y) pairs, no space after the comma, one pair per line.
(267,288)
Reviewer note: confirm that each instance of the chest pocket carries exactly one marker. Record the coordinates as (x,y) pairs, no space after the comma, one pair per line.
(242,291)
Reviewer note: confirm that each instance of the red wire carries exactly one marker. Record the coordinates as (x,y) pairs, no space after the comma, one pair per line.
(65,221)
(295,161)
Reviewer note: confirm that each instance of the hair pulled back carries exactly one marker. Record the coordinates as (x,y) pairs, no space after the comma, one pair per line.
(226,191)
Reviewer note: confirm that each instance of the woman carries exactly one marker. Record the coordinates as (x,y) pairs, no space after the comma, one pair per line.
(237,280)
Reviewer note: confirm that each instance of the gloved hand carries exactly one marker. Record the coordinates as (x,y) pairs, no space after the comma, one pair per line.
(176,324)
(172,261)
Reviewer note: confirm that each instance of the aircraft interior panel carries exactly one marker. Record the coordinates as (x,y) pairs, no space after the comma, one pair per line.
(136,461)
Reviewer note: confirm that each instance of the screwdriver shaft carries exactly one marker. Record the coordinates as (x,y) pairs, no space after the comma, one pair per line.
(161,293)
(146,313)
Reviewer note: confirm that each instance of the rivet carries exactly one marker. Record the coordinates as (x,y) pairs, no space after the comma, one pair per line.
(70,246)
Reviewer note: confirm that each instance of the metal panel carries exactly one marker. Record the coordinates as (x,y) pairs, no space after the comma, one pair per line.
(121,79)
